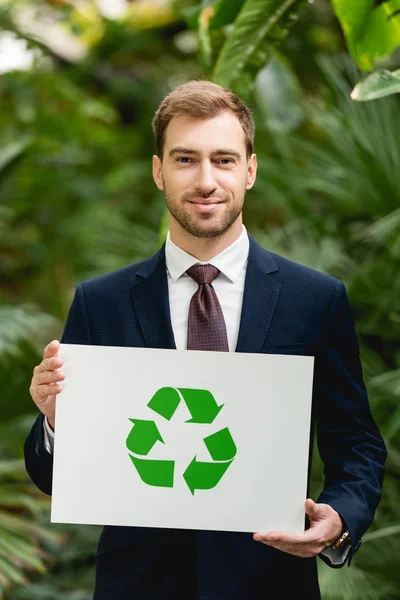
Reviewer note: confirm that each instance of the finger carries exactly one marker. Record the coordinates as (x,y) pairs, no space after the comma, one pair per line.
(280,537)
(297,548)
(311,507)
(46,377)
(51,349)
(305,551)
(43,391)
(48,364)
(309,536)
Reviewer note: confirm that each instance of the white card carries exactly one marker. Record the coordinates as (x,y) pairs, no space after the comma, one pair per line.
(182,439)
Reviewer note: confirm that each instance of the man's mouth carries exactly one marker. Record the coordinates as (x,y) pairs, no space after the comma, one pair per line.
(206,201)
(205,205)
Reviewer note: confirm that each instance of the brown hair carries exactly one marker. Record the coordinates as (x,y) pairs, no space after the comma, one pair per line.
(202,100)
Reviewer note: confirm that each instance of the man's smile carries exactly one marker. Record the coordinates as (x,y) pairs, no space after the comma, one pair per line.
(205,205)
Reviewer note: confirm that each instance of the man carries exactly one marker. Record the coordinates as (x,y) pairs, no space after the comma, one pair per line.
(244,299)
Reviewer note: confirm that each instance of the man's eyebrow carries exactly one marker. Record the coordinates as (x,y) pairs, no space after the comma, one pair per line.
(181,150)
(219,152)
(225,151)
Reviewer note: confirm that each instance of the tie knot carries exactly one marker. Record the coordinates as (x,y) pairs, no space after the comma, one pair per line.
(203,273)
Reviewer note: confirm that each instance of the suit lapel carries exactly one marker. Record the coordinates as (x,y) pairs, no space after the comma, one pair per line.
(261,292)
(260,296)
(151,302)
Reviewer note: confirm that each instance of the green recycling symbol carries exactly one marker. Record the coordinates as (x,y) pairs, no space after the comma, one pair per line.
(145,434)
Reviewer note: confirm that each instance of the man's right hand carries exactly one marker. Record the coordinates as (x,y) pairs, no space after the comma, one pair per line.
(45,382)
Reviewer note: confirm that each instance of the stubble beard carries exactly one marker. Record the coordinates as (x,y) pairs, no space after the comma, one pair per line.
(196,227)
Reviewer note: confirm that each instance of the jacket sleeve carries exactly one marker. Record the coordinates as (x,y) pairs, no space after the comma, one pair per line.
(38,462)
(349,442)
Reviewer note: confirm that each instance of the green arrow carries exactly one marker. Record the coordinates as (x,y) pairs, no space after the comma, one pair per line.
(221,445)
(155,472)
(204,475)
(165,402)
(201,404)
(143,436)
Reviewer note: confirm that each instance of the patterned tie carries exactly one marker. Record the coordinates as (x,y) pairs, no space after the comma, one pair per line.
(206,326)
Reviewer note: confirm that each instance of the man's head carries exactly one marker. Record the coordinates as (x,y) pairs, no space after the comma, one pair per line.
(204,137)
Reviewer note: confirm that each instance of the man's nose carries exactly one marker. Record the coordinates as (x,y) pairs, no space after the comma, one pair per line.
(205,182)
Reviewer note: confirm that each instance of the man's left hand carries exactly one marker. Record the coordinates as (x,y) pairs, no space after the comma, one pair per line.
(325,528)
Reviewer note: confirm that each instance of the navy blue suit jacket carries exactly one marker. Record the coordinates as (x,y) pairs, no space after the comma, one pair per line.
(287,309)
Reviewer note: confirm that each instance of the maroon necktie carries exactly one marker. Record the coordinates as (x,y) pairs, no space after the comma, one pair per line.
(206,325)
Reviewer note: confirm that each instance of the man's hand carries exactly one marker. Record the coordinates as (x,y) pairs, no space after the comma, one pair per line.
(45,382)
(325,527)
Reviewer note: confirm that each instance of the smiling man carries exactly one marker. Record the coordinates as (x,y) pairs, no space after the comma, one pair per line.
(211,287)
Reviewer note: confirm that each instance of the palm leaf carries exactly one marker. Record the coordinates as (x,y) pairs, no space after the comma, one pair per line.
(256,20)
(21,535)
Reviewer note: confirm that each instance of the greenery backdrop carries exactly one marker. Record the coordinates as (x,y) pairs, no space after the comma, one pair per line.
(77,199)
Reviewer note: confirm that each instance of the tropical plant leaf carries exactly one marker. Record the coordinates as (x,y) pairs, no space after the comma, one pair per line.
(383,229)
(351,584)
(11,573)
(21,534)
(205,48)
(255,21)
(382,533)
(13,150)
(377,85)
(225,12)
(277,92)
(21,323)
(372,29)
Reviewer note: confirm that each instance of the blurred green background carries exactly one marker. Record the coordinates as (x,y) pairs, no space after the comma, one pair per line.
(79,83)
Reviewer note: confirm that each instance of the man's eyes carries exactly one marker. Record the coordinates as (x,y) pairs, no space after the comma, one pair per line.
(187,159)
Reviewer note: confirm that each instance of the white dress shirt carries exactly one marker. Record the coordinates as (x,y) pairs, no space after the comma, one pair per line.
(229,286)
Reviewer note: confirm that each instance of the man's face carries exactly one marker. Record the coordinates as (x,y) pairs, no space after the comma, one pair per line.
(205,173)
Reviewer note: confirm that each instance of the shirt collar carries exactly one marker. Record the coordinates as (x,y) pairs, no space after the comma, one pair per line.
(230,261)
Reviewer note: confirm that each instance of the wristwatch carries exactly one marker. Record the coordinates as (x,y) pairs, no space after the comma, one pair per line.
(341,539)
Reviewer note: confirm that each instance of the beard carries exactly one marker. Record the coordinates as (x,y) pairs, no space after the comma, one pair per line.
(203,225)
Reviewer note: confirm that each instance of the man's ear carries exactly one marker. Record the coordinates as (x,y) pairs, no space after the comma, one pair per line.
(251,171)
(157,174)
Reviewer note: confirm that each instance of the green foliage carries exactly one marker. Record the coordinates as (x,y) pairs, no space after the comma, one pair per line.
(377,85)
(256,27)
(21,539)
(372,29)
(278,94)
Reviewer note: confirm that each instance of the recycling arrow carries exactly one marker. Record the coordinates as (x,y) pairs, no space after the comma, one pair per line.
(221,445)
(165,402)
(155,472)
(143,436)
(200,403)
(204,475)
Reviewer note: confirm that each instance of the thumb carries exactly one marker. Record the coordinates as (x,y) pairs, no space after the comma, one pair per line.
(51,349)
(311,509)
